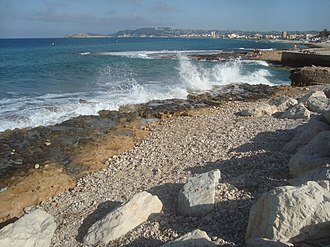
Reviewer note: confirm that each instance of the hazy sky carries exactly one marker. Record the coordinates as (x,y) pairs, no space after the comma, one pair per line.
(55,18)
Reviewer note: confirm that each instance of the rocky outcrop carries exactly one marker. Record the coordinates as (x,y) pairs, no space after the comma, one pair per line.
(123,219)
(297,111)
(283,212)
(196,238)
(315,154)
(35,229)
(196,197)
(310,75)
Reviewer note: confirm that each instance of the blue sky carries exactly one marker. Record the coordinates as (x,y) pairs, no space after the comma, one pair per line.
(55,18)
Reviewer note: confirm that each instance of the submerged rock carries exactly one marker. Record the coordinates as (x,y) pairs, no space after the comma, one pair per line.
(125,218)
(196,197)
(35,229)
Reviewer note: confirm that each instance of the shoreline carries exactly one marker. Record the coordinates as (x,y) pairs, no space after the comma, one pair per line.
(35,159)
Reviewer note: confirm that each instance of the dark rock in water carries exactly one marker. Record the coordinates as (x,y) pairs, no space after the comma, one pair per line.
(310,75)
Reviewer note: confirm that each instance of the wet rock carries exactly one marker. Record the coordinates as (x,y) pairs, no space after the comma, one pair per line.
(196,238)
(317,174)
(283,103)
(307,133)
(281,213)
(35,229)
(310,75)
(125,218)
(315,154)
(196,197)
(297,111)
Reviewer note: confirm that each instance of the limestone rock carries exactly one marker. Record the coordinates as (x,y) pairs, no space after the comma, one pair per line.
(315,154)
(196,238)
(123,219)
(310,75)
(264,242)
(280,214)
(317,174)
(197,196)
(262,110)
(317,104)
(283,103)
(310,95)
(316,235)
(34,229)
(307,133)
(297,111)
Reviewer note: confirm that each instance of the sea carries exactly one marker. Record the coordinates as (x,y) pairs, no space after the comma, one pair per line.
(48,81)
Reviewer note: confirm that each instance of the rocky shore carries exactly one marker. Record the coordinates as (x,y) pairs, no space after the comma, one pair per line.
(237,134)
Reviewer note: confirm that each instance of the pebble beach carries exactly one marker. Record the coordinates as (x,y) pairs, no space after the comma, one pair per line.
(246,150)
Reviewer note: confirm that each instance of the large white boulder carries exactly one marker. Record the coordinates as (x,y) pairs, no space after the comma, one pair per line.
(315,154)
(306,134)
(317,104)
(196,238)
(280,214)
(310,95)
(262,110)
(196,197)
(123,219)
(35,229)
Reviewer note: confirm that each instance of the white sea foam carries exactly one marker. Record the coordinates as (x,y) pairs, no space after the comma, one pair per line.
(116,86)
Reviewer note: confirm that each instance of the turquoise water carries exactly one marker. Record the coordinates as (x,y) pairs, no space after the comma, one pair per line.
(42,80)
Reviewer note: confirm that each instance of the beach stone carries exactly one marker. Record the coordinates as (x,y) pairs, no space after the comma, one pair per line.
(310,95)
(264,242)
(315,235)
(297,111)
(280,214)
(34,229)
(307,133)
(317,174)
(125,218)
(283,103)
(196,197)
(262,110)
(317,104)
(315,154)
(196,238)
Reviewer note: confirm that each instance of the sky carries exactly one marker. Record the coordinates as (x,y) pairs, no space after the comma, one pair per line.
(56,18)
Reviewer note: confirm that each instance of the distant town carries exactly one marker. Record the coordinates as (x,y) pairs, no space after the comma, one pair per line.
(166,32)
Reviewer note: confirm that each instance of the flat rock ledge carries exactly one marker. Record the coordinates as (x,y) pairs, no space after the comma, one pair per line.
(125,218)
(196,197)
(196,238)
(34,229)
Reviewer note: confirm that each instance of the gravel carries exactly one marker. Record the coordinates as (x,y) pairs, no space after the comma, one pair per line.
(246,150)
